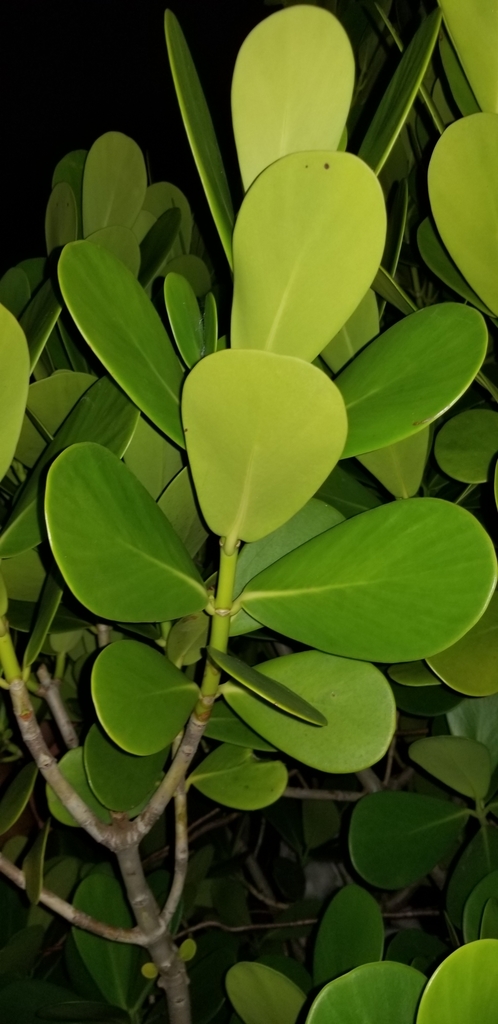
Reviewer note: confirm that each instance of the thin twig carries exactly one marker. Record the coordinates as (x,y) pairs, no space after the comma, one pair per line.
(245,927)
(103,634)
(264,899)
(389,762)
(205,817)
(50,690)
(369,780)
(401,914)
(210,826)
(181,849)
(323,794)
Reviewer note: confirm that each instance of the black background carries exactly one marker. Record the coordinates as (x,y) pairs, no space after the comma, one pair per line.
(70,71)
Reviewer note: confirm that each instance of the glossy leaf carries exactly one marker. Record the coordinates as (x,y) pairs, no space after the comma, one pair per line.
(486,888)
(141,699)
(307,244)
(162,196)
(272,691)
(15,291)
(49,402)
(200,131)
(72,767)
(379,993)
(437,259)
(24,576)
(400,466)
(15,799)
(346,493)
(475,36)
(70,169)
(33,865)
(411,374)
(103,414)
(280,428)
(234,777)
(152,459)
(479,857)
(469,665)
(457,79)
(396,838)
(194,270)
(61,218)
(459,762)
(157,245)
(260,994)
(292,88)
(14,381)
(489,920)
(400,94)
(187,639)
(120,324)
(185,318)
(388,288)
(412,600)
(121,242)
(362,326)
(114,182)
(119,780)
(353,696)
(425,701)
(180,508)
(478,720)
(464,987)
(223,725)
(462,191)
(351,933)
(121,559)
(39,319)
(49,602)
(413,942)
(112,965)
(467,444)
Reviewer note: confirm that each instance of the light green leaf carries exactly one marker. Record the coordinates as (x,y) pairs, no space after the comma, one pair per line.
(33,865)
(4,598)
(49,402)
(15,799)
(478,720)
(463,195)
(400,466)
(180,507)
(194,270)
(400,94)
(113,966)
(292,88)
(379,993)
(260,994)
(377,569)
(70,169)
(114,183)
(38,320)
(279,430)
(346,493)
(437,259)
(467,444)
(103,414)
(234,777)
(389,290)
(118,779)
(459,762)
(200,131)
(187,638)
(141,699)
(413,673)
(72,767)
(185,318)
(353,696)
(152,459)
(49,602)
(271,690)
(223,725)
(61,218)
(464,987)
(15,291)
(24,576)
(157,245)
(362,326)
(13,385)
(121,242)
(474,34)
(307,243)
(120,557)
(351,933)
(121,325)
(411,374)
(486,888)
(457,79)
(162,196)
(469,665)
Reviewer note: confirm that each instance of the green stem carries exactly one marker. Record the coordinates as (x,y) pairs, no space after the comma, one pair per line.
(8,657)
(60,665)
(220,628)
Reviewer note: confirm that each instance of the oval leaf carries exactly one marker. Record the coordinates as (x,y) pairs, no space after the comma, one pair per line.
(269,689)
(232,776)
(467,444)
(475,905)
(119,780)
(260,994)
(351,933)
(461,763)
(475,36)
(14,382)
(114,966)
(385,993)
(469,666)
(15,799)
(114,182)
(73,769)
(464,987)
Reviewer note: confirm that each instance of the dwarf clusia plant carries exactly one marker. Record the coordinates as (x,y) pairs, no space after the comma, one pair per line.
(247,565)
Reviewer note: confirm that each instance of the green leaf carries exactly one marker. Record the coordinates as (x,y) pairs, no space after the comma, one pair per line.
(461,763)
(321,822)
(14,381)
(194,270)
(39,319)
(49,402)
(114,183)
(464,987)
(121,558)
(232,776)
(269,689)
(141,699)
(475,37)
(102,414)
(157,245)
(413,942)
(121,243)
(291,89)
(389,290)
(457,79)
(120,324)
(469,665)
(49,602)
(424,701)
(397,838)
(84,1010)
(489,920)
(15,291)
(437,259)
(61,218)
(351,933)
(478,720)
(279,430)
(353,696)
(485,889)
(24,576)
(70,169)
(413,673)
(16,798)
(307,243)
(200,131)
(260,995)
(379,993)
(152,459)
(479,857)
(72,767)
(113,966)
(400,94)
(411,600)
(400,466)
(411,374)
(463,195)
(162,196)
(119,780)
(346,493)
(33,865)
(362,326)
(467,444)
(21,999)
(223,725)
(185,318)
(21,953)
(180,508)
(187,639)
